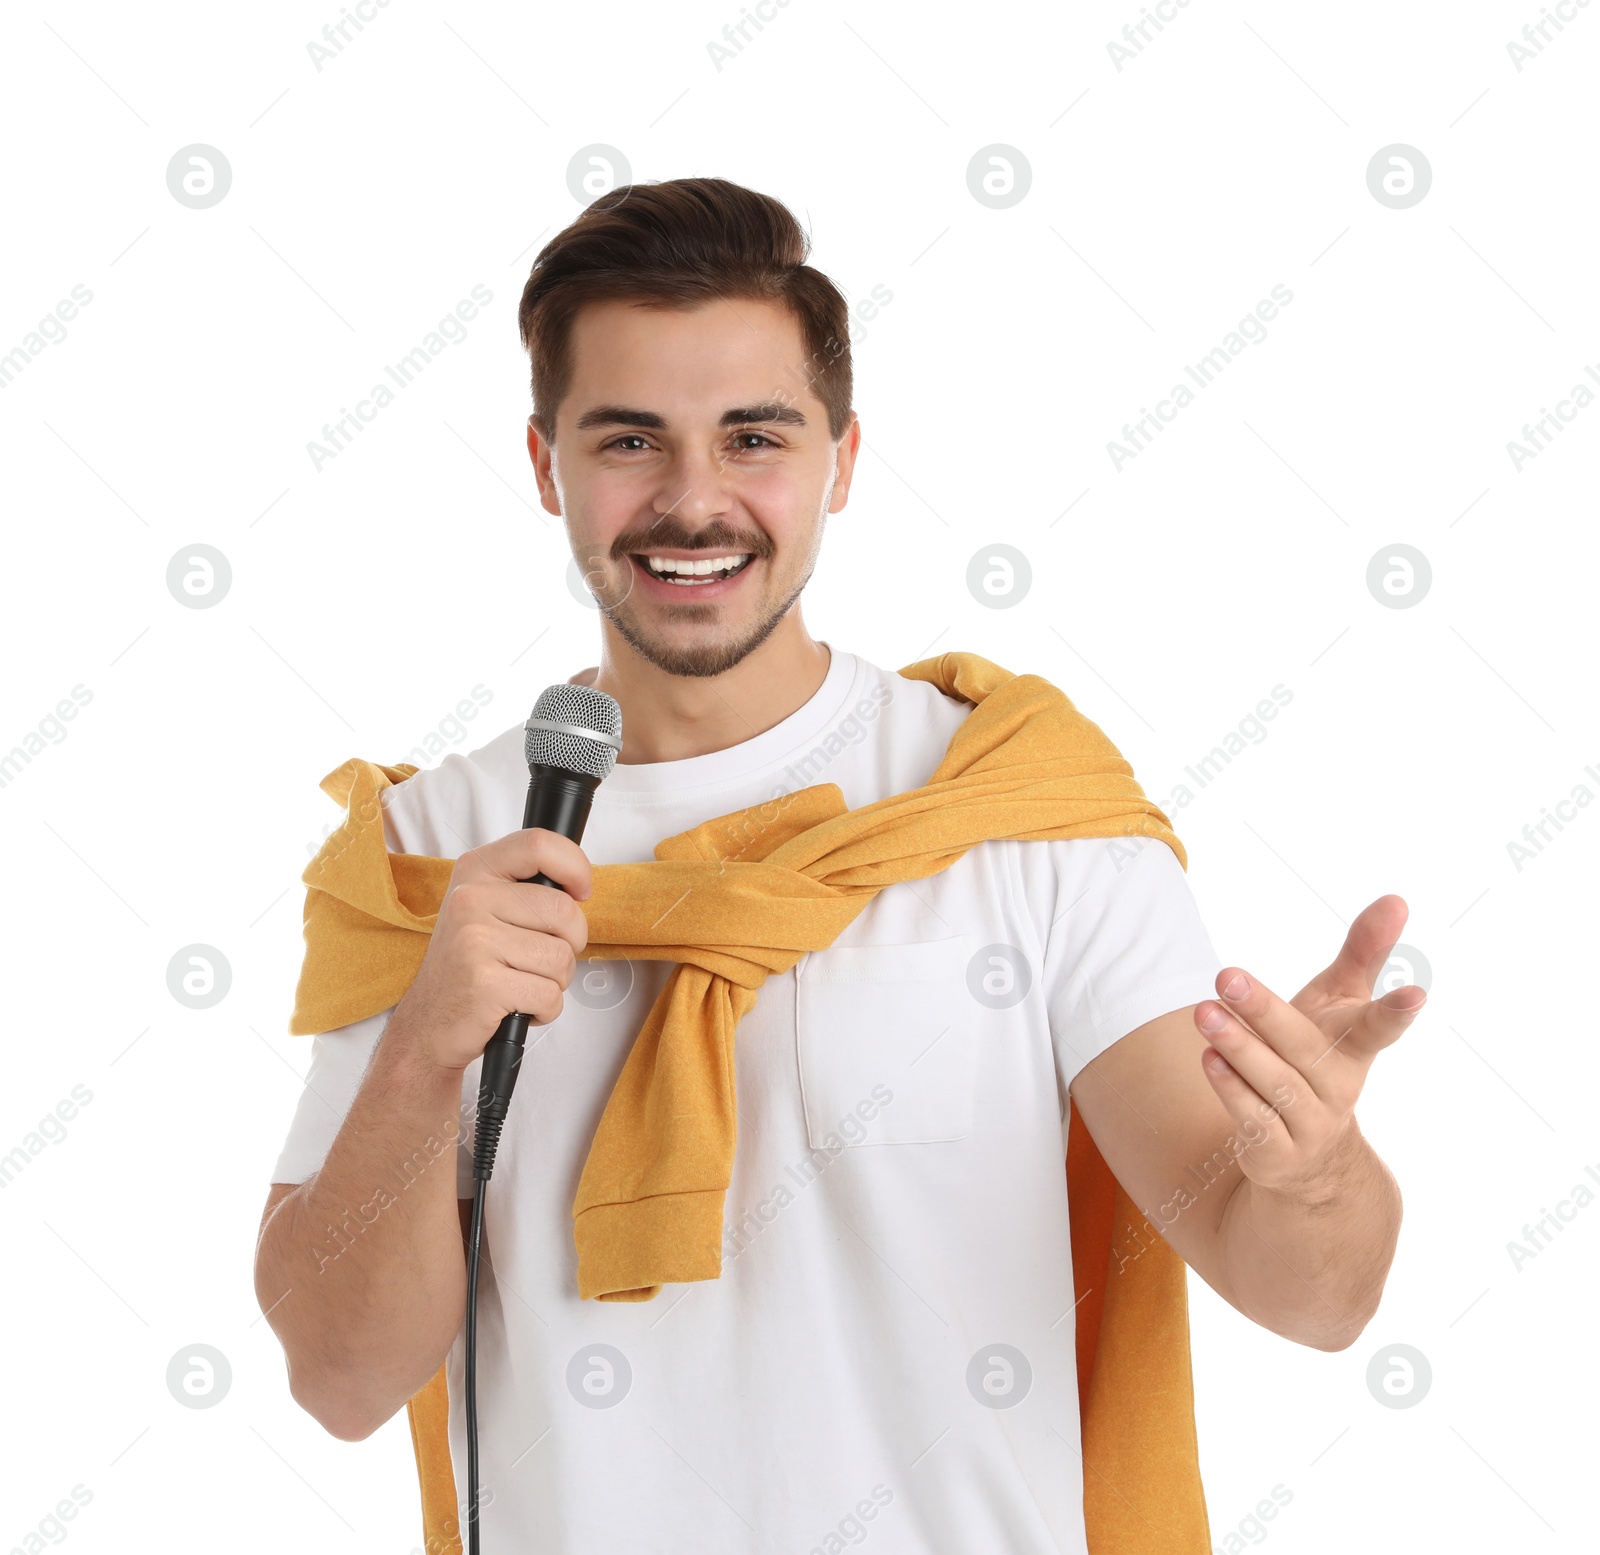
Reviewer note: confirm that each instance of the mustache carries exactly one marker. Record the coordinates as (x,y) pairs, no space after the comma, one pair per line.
(670,533)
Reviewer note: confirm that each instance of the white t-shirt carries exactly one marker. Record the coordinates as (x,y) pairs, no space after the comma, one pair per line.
(889,1350)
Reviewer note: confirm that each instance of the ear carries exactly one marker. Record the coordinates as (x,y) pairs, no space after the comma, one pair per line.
(845,463)
(539,453)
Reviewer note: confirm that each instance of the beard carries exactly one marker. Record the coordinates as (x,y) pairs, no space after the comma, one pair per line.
(705,659)
(700,659)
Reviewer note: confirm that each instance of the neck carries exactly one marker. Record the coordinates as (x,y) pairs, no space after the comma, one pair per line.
(673,717)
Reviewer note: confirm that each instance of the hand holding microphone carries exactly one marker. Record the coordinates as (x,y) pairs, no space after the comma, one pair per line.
(504,944)
(501,944)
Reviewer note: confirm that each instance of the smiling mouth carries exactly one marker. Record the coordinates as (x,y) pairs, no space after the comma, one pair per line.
(684,572)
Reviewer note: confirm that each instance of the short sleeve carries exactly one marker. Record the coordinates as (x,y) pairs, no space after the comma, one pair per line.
(339,1060)
(434,812)
(1123,937)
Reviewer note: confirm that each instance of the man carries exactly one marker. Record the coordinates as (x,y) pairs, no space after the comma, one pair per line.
(895,1238)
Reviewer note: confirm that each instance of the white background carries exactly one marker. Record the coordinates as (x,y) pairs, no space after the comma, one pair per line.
(1168,598)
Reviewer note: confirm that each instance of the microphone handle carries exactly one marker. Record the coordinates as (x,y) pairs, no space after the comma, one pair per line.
(558,801)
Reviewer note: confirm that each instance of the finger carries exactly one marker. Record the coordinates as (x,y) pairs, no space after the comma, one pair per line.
(539,998)
(516,905)
(1273,1079)
(520,855)
(540,907)
(1373,1026)
(1372,935)
(1260,1125)
(1288,1032)
(544,955)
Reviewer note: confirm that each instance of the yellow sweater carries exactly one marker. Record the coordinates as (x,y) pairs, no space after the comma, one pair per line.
(731,902)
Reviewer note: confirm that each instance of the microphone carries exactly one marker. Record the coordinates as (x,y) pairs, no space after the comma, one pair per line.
(573,736)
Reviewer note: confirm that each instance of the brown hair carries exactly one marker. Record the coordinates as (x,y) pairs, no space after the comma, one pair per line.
(677,245)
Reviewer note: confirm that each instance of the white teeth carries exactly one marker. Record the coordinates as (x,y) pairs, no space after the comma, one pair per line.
(685,568)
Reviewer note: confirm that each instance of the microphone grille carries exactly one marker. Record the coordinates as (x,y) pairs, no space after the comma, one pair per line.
(576,728)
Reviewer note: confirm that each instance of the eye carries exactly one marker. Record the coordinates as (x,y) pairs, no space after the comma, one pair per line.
(641,444)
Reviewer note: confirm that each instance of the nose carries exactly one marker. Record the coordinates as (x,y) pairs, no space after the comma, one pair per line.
(694,487)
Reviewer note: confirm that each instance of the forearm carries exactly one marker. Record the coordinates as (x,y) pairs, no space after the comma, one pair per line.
(360,1269)
(1311,1264)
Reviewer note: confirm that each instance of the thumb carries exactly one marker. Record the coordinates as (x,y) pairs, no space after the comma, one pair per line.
(1380,1023)
(1368,943)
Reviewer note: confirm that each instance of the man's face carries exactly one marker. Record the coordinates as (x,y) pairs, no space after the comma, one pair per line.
(693,466)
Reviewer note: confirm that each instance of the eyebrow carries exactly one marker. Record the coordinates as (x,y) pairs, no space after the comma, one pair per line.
(741,415)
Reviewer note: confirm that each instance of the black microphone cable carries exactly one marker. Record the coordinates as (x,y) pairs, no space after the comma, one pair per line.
(572,740)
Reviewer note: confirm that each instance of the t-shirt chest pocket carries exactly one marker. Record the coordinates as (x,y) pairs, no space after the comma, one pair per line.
(887,1043)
